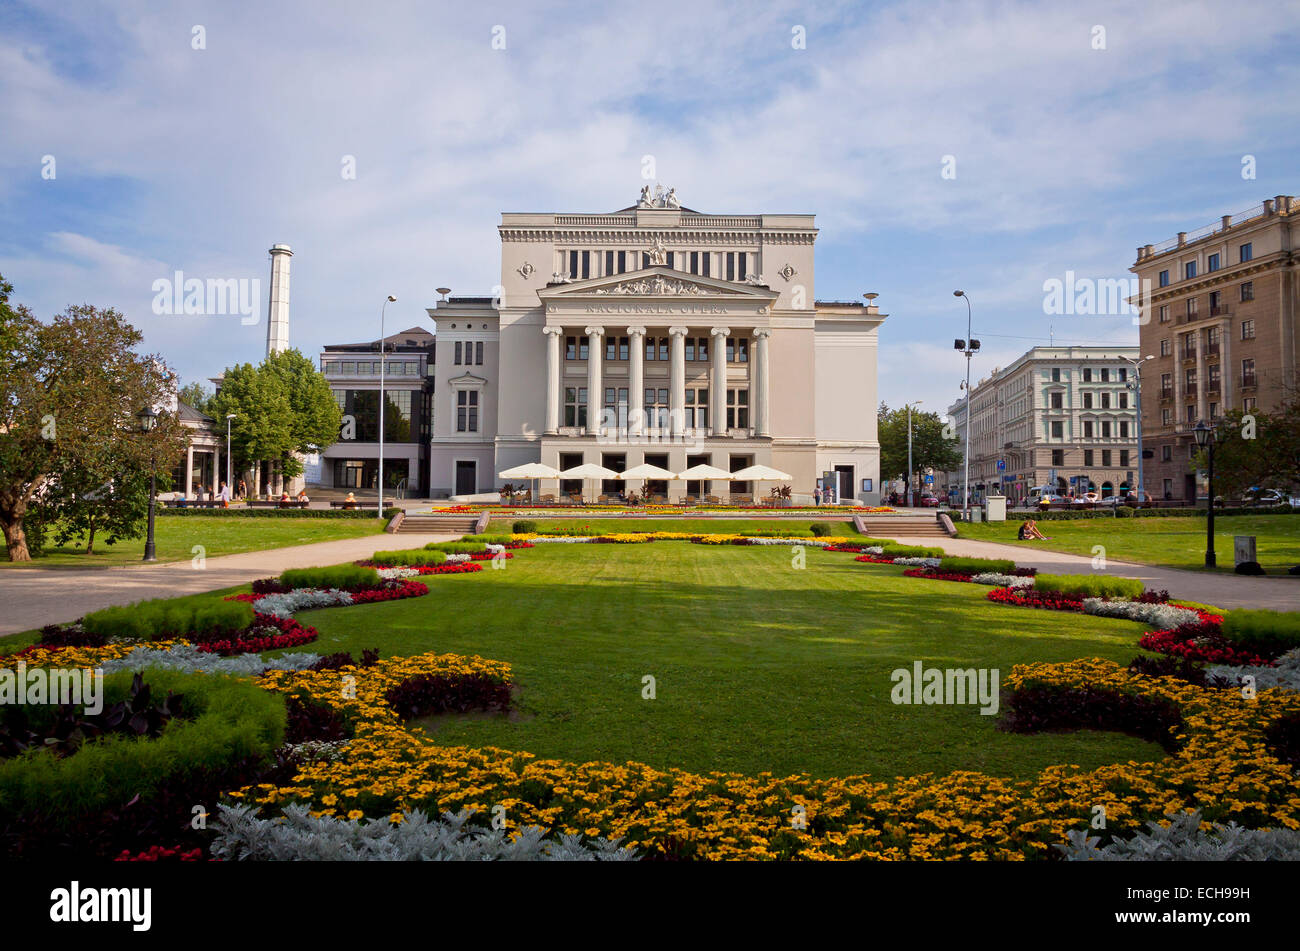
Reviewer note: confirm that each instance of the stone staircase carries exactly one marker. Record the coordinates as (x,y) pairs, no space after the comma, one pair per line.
(904,526)
(438,524)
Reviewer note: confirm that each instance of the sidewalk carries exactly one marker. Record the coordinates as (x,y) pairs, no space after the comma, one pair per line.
(1221,590)
(33,597)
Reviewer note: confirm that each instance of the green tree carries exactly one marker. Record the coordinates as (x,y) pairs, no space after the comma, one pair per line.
(1255,449)
(69,392)
(196,395)
(931,448)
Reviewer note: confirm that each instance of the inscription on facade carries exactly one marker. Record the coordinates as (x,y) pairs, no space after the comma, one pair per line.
(665,309)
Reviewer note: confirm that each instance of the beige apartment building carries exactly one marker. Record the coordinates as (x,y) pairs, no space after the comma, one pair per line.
(656,334)
(1219,318)
(1059,416)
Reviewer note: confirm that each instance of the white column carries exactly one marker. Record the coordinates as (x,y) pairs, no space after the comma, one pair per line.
(189,472)
(553,335)
(595,398)
(718,397)
(636,382)
(762,418)
(677,382)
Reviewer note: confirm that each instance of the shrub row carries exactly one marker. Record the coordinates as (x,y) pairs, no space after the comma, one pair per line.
(1040,707)
(488,539)
(345,577)
(1091,586)
(975,566)
(408,558)
(1064,515)
(159,618)
(1265,632)
(457,548)
(272,513)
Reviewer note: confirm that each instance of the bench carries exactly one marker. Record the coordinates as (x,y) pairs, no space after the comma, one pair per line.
(275,504)
(353,505)
(195,504)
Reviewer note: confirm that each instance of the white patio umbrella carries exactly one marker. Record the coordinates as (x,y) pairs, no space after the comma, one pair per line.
(588,470)
(646,471)
(761,473)
(530,470)
(703,472)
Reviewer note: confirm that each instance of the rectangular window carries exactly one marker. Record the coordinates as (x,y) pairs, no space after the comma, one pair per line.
(645,259)
(1189,379)
(697,408)
(457,360)
(1123,429)
(737,409)
(731,265)
(1087,429)
(706,259)
(1105,401)
(1189,270)
(622,348)
(1216,298)
(1058,455)
(1056,400)
(570,348)
(478,352)
(573,265)
(584,344)
(1247,372)
(609,262)
(1087,401)
(1166,417)
(1191,413)
(1248,404)
(622,262)
(586,264)
(1087,457)
(656,408)
(695,262)
(1248,290)
(690,349)
(1191,307)
(649,348)
(740,269)
(1056,374)
(1213,373)
(575,406)
(1166,453)
(467,411)
(1123,401)
(663,348)
(1214,411)
(1087,374)
(737,349)
(1166,385)
(1246,252)
(1165,347)
(1164,278)
(1058,430)
(1105,374)
(1105,458)
(1212,262)
(611,348)
(1164,313)
(1248,330)
(1105,429)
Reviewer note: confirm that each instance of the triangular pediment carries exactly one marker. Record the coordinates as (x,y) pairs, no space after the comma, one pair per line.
(467,380)
(658,282)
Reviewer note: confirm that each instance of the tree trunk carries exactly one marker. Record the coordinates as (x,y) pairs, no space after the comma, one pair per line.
(90,540)
(15,538)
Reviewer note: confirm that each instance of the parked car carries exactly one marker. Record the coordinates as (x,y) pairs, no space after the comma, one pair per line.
(929,501)
(1273,497)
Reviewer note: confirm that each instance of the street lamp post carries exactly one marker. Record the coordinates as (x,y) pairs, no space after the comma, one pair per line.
(911,500)
(229,486)
(379,511)
(148,418)
(1205,439)
(967,346)
(1136,386)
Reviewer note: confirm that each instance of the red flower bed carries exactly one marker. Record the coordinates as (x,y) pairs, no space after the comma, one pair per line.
(460,568)
(851,548)
(159,853)
(405,588)
(875,559)
(487,555)
(1030,598)
(291,634)
(1202,641)
(938,574)
(518,545)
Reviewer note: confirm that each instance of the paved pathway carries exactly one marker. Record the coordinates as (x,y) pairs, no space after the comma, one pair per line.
(32,597)
(1276,593)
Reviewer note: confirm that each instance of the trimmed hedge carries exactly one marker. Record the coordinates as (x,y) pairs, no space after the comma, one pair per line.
(336,576)
(1063,515)
(408,558)
(457,548)
(975,566)
(894,550)
(227,721)
(1269,633)
(524,526)
(151,619)
(1090,586)
(821,529)
(488,539)
(274,513)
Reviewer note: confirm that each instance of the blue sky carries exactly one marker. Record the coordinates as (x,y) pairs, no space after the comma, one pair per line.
(1067,157)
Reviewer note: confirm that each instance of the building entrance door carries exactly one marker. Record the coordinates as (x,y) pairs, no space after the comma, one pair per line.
(844,476)
(466,477)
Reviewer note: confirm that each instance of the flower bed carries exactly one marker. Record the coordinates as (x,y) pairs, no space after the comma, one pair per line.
(448,568)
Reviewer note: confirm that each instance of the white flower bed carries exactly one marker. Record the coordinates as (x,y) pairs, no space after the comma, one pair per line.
(394,574)
(495,549)
(189,659)
(873,550)
(807,542)
(458,559)
(1003,581)
(1161,617)
(918,562)
(1285,675)
(300,599)
(562,539)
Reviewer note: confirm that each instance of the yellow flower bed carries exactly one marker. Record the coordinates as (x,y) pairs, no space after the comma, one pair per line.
(719,539)
(1222,768)
(81,656)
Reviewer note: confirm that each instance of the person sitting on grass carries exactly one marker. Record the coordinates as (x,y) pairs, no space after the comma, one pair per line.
(1029,530)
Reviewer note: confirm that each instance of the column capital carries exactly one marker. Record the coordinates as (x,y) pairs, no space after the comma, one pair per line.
(720,331)
(679,331)
(762,332)
(553,330)
(636,331)
(595,331)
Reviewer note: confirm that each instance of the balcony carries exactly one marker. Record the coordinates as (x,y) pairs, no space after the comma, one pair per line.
(1211,349)
(1222,310)
(1167,393)
(1248,381)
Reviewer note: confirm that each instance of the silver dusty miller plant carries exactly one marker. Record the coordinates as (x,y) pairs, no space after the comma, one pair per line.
(299,836)
(1183,840)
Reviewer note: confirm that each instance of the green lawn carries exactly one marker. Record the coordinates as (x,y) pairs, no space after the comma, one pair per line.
(759,666)
(176,536)
(708,526)
(1172,542)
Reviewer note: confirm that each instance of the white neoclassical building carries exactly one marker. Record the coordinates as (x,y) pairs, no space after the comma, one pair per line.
(656,334)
